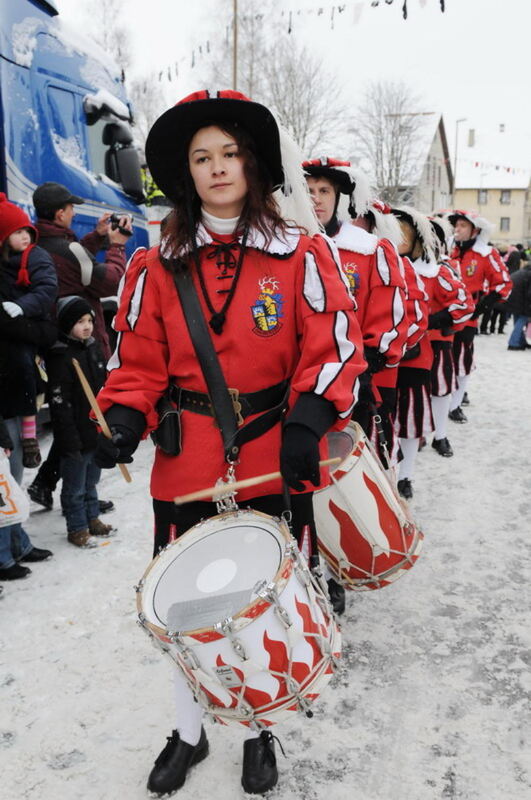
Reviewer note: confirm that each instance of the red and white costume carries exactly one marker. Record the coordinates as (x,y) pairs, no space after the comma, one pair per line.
(292,317)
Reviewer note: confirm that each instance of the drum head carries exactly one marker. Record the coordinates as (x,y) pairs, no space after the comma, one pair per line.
(211,571)
(340,445)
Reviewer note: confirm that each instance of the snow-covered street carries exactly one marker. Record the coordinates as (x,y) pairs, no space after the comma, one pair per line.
(432,699)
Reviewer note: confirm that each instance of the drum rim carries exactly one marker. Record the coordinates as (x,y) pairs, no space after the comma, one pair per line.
(280,523)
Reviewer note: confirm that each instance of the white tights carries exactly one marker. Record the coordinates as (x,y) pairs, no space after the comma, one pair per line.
(189,714)
(457,397)
(406,468)
(440,407)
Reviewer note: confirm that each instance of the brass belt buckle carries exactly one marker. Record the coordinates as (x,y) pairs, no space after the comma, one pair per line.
(237,406)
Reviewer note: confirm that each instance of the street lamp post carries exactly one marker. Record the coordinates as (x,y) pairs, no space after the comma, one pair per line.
(457,124)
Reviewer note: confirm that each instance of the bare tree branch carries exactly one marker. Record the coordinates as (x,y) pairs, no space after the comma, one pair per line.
(388,128)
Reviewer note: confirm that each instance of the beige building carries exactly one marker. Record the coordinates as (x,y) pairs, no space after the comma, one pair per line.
(432,189)
(493,178)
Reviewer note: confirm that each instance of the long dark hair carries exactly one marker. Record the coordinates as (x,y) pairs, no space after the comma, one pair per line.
(260,210)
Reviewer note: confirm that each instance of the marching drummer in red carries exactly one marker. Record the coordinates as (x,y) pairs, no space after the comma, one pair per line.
(451,306)
(284,330)
(486,278)
(372,267)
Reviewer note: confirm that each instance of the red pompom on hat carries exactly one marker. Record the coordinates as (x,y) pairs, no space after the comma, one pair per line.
(170,134)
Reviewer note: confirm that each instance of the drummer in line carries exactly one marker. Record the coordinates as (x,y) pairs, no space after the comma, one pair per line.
(282,320)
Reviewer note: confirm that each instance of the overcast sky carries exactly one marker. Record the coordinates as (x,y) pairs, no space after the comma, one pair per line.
(472,61)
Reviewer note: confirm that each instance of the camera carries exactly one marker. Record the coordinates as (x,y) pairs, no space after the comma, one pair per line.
(114,219)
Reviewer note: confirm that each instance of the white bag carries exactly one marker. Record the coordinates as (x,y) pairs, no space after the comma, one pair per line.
(14,504)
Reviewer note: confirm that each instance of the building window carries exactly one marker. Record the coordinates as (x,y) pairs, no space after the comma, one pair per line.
(505,224)
(483,197)
(505,196)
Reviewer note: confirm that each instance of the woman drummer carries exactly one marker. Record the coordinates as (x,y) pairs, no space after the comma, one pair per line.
(282,323)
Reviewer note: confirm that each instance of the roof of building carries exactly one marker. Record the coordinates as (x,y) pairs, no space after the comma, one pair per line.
(493,157)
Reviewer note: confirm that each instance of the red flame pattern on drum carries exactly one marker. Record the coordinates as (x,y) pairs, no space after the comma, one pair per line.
(388,520)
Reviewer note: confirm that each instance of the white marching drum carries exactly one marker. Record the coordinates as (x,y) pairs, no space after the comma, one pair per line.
(235,606)
(364,528)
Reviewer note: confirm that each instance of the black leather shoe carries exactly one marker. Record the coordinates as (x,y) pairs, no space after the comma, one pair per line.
(457,415)
(36,554)
(105,506)
(405,489)
(465,401)
(443,447)
(173,763)
(259,772)
(41,494)
(336,592)
(14,572)
(512,347)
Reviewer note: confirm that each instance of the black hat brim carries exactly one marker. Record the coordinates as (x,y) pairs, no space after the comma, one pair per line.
(169,137)
(333,174)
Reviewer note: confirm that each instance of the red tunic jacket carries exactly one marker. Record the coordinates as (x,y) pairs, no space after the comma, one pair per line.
(447,291)
(372,267)
(417,312)
(482,269)
(291,316)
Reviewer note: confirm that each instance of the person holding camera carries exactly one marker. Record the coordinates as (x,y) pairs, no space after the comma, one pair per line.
(78,273)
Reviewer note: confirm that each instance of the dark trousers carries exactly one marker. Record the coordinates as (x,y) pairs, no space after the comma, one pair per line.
(79,496)
(170,518)
(49,472)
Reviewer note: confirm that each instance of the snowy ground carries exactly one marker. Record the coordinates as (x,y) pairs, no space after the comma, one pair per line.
(432,698)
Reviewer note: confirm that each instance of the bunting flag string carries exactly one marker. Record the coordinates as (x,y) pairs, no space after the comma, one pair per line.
(171,71)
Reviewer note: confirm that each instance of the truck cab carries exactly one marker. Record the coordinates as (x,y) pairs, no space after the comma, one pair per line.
(65,117)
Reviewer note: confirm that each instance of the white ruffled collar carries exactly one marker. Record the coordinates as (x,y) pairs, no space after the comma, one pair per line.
(351,237)
(280,246)
(481,248)
(428,269)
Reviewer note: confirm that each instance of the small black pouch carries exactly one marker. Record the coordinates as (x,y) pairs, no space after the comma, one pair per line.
(167,435)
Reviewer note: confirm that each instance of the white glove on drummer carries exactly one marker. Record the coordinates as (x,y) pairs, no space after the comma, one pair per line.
(12,309)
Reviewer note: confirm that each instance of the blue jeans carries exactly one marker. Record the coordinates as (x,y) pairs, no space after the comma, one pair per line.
(79,497)
(14,541)
(517,338)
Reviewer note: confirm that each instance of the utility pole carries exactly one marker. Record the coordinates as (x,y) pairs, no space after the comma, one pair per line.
(235,44)
(457,124)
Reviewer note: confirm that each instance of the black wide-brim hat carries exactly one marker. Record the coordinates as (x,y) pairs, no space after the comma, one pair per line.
(168,139)
(333,170)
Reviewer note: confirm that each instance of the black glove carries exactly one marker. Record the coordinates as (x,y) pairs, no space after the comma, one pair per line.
(365,395)
(439,320)
(486,303)
(375,360)
(117,450)
(299,456)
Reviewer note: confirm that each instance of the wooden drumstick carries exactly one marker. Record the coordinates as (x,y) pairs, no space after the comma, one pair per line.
(97,411)
(205,494)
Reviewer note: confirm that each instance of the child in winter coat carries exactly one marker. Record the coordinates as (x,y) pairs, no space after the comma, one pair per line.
(74,433)
(29,288)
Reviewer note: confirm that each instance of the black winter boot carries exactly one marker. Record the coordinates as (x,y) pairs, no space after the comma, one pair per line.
(457,415)
(41,494)
(443,447)
(259,772)
(336,592)
(405,488)
(173,763)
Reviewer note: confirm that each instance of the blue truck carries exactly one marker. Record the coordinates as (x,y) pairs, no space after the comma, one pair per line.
(65,117)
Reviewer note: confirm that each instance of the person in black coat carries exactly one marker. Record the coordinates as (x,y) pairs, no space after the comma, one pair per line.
(15,544)
(29,289)
(75,435)
(519,305)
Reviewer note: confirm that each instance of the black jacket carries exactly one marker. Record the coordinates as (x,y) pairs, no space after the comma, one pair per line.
(37,299)
(69,407)
(519,301)
(35,334)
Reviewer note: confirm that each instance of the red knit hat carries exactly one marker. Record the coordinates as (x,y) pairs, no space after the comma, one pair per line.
(13,218)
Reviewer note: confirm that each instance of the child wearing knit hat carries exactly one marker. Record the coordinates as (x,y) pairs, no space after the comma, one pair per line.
(28,287)
(75,435)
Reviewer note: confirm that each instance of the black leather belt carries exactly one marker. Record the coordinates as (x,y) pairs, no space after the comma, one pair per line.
(245,404)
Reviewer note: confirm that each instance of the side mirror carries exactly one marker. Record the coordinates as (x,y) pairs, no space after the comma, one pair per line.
(128,165)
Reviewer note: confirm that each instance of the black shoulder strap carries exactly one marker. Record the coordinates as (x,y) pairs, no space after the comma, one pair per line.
(208,360)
